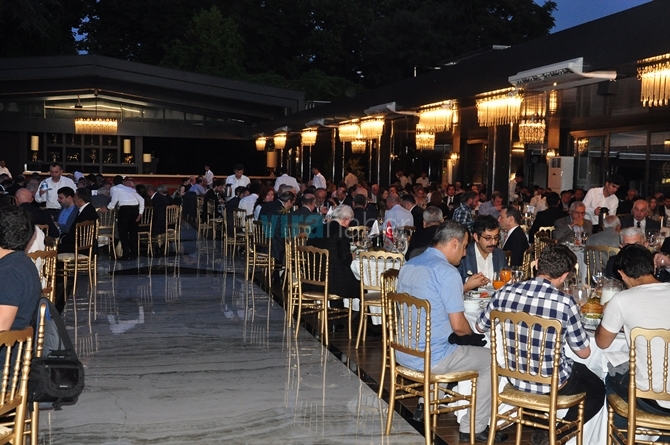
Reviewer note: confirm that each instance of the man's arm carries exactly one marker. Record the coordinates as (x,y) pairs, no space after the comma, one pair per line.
(584,353)
(604,338)
(7,316)
(459,324)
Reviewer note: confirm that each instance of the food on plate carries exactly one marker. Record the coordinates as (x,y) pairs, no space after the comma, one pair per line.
(484,295)
(593,308)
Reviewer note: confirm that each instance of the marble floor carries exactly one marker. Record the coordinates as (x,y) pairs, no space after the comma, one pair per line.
(182,350)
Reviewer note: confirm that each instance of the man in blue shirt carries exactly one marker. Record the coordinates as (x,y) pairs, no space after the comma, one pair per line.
(433,276)
(67,212)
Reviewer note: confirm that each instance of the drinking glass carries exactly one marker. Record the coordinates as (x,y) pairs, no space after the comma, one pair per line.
(580,292)
(498,281)
(517,275)
(505,274)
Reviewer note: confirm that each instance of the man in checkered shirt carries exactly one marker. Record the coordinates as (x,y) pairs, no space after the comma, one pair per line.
(541,296)
(463,213)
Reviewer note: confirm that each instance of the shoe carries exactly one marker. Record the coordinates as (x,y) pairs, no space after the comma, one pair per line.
(482,437)
(540,437)
(418,414)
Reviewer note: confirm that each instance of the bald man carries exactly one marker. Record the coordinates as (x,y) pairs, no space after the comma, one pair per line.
(24,200)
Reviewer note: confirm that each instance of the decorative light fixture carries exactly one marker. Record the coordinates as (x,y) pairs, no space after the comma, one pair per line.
(358,145)
(372,128)
(34,146)
(280,141)
(271,159)
(437,117)
(260,143)
(425,139)
(348,131)
(146,157)
(126,146)
(553,101)
(654,73)
(551,153)
(94,125)
(308,136)
(518,147)
(454,157)
(499,107)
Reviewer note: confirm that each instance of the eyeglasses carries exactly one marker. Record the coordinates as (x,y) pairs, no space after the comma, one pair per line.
(490,238)
(579,213)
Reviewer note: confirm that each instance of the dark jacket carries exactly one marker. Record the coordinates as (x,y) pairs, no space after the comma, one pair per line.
(417,213)
(365,216)
(517,244)
(421,239)
(650,224)
(545,218)
(469,263)
(40,217)
(159,203)
(88,213)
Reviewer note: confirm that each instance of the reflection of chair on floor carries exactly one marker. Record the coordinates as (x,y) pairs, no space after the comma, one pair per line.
(527,407)
(389,284)
(16,355)
(654,375)
(83,257)
(107,229)
(409,332)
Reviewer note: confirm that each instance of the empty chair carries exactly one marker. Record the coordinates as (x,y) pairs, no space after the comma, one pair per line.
(389,283)
(82,258)
(172,229)
(107,230)
(144,229)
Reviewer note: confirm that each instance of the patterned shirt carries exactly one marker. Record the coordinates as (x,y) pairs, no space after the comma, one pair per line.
(539,297)
(463,215)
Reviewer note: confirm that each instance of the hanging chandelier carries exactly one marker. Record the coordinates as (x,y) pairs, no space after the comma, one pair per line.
(654,73)
(358,145)
(260,143)
(532,125)
(499,107)
(372,128)
(437,117)
(425,140)
(308,136)
(532,131)
(95,126)
(280,141)
(348,131)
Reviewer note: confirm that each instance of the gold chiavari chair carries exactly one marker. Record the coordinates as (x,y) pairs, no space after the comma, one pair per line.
(47,265)
(172,229)
(82,258)
(50,243)
(240,233)
(410,333)
(654,374)
(541,243)
(260,247)
(357,233)
(528,257)
(293,285)
(596,258)
(213,222)
(44,228)
(372,264)
(32,421)
(312,267)
(542,232)
(508,258)
(527,408)
(197,223)
(389,279)
(16,357)
(144,228)
(106,230)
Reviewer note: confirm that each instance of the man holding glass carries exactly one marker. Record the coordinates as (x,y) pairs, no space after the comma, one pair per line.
(571,227)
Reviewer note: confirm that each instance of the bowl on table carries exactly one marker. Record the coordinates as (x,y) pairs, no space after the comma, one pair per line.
(472,305)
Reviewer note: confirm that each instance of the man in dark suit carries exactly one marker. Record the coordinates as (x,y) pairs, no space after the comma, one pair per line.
(639,218)
(159,203)
(277,213)
(364,214)
(547,217)
(626,206)
(432,218)
(567,227)
(452,200)
(482,251)
(515,240)
(305,214)
(409,203)
(215,194)
(234,204)
(24,199)
(85,212)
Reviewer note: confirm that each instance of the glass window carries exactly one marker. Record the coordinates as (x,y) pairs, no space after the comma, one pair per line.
(590,161)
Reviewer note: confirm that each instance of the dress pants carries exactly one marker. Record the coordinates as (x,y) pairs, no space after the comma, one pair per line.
(127,226)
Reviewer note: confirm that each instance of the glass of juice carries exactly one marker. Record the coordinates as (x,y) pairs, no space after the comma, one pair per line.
(505,274)
(497,281)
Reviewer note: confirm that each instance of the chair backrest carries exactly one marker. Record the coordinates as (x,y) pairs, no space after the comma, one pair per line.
(389,284)
(356,233)
(239,219)
(172,214)
(16,356)
(521,360)
(50,243)
(145,219)
(47,271)
(596,258)
(84,236)
(262,236)
(409,327)
(44,228)
(649,371)
(107,220)
(545,232)
(312,267)
(211,209)
(372,264)
(541,243)
(528,257)
(508,257)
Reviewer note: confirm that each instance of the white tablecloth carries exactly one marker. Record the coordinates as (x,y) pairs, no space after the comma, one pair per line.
(374,281)
(595,431)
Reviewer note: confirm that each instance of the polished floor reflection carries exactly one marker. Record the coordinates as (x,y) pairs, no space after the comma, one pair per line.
(182,350)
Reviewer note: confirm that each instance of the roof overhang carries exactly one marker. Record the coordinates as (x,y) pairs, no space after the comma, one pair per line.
(559,76)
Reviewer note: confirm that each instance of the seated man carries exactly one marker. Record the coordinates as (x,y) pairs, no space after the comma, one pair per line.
(515,240)
(24,199)
(493,206)
(433,276)
(640,218)
(396,214)
(574,223)
(644,304)
(432,218)
(631,235)
(483,258)
(409,203)
(68,211)
(541,296)
(609,236)
(547,218)
(85,212)
(364,214)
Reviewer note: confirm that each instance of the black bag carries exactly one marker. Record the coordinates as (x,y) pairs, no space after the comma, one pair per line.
(58,376)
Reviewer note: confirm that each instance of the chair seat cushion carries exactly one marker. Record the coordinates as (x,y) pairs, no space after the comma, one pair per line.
(373,298)
(448,377)
(70,257)
(642,418)
(513,396)
(5,432)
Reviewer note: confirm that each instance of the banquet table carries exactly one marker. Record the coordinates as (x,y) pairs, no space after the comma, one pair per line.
(374,281)
(595,430)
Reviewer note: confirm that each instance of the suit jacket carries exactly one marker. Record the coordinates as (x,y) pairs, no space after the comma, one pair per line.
(273,212)
(625,206)
(304,215)
(417,213)
(469,263)
(159,203)
(608,237)
(650,224)
(42,218)
(365,216)
(545,218)
(421,239)
(564,233)
(517,244)
(88,213)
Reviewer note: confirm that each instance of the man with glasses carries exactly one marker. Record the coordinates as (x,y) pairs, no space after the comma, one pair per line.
(483,259)
(575,223)
(600,198)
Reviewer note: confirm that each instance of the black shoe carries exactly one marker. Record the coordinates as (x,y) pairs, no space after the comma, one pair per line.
(540,437)
(482,437)
(418,414)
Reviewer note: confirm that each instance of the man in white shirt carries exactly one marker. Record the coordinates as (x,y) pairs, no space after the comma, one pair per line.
(131,207)
(423,180)
(318,181)
(48,190)
(350,180)
(396,214)
(285,179)
(237,180)
(4,169)
(209,177)
(518,178)
(602,197)
(248,202)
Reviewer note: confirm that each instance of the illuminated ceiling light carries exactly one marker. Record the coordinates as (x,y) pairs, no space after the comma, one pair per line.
(308,136)
(654,73)
(437,117)
(372,128)
(551,153)
(532,126)
(553,101)
(532,131)
(358,145)
(280,141)
(518,147)
(260,143)
(95,126)
(348,131)
(499,108)
(425,140)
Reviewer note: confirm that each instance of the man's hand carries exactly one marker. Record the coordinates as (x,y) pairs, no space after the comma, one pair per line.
(42,192)
(661,261)
(476,280)
(596,211)
(139,217)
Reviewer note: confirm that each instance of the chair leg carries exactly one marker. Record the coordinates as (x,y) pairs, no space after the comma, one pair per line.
(76,272)
(34,423)
(324,325)
(384,360)
(297,320)
(362,322)
(391,405)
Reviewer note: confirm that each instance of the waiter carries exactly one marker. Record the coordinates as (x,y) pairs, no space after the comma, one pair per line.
(131,207)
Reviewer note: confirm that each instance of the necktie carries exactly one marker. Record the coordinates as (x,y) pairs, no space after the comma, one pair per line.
(638,225)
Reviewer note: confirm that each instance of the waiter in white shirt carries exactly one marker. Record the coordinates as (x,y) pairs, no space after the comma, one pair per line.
(599,198)
(131,207)
(286,179)
(319,182)
(48,191)
(236,180)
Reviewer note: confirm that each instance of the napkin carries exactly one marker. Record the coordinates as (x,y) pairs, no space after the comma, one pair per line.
(374,231)
(616,357)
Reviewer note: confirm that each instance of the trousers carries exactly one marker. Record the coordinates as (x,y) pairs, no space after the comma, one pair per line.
(127,227)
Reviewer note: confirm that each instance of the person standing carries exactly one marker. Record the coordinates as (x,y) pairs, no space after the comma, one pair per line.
(208,178)
(318,181)
(236,180)
(599,198)
(513,184)
(4,169)
(284,178)
(131,207)
(48,190)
